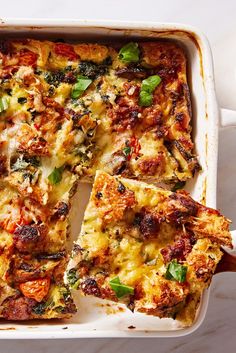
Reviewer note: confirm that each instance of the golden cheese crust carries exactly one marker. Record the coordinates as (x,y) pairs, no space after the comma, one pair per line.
(133,233)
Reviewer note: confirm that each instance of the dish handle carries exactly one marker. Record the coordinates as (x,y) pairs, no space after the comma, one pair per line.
(228,118)
(228,261)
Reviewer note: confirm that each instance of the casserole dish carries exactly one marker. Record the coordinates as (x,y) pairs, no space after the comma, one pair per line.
(96,319)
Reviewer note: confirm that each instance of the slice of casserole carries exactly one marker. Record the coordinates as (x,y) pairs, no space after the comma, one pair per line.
(152,249)
(33,258)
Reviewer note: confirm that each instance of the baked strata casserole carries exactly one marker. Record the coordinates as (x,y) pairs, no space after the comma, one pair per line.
(147,247)
(65,111)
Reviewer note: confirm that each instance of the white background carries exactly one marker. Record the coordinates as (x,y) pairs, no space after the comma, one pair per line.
(217,19)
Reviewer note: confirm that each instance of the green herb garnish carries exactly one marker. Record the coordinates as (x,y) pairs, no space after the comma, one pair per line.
(56,175)
(150,83)
(54,77)
(80,86)
(127,150)
(147,88)
(129,53)
(176,272)
(120,289)
(92,70)
(40,308)
(145,99)
(72,278)
(3,104)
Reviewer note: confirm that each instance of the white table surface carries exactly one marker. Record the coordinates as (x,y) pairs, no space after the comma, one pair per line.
(216,19)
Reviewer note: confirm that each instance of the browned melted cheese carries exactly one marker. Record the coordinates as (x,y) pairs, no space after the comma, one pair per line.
(133,230)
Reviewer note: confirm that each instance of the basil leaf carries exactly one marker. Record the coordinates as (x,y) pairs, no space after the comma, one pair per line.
(3,104)
(150,83)
(145,99)
(56,175)
(176,272)
(79,87)
(147,88)
(126,150)
(129,53)
(120,289)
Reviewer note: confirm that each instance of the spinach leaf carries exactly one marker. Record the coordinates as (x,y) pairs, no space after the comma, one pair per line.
(73,278)
(93,70)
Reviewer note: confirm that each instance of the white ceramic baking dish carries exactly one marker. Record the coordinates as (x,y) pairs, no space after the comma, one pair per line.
(96,318)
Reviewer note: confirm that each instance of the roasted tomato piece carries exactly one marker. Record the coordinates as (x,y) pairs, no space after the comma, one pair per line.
(10,224)
(66,50)
(27,57)
(36,289)
(134,143)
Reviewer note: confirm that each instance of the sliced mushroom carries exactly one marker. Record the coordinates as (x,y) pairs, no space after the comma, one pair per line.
(131,72)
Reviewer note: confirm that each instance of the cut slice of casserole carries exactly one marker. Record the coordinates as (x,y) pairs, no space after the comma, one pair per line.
(33,258)
(152,249)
